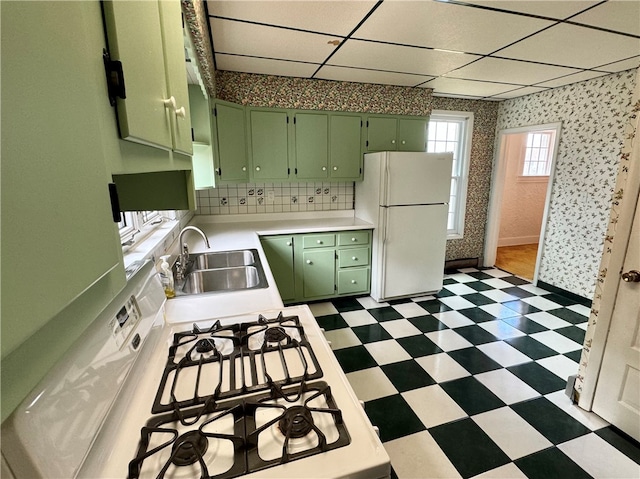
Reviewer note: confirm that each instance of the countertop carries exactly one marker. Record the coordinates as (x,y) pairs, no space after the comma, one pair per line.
(243,232)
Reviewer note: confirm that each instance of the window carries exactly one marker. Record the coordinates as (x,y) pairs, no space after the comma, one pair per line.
(538,153)
(451,132)
(137,224)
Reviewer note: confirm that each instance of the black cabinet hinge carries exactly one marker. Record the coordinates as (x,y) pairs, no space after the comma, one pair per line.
(115,78)
(288,171)
(219,171)
(360,123)
(215,111)
(367,123)
(115,203)
(287,118)
(360,170)
(295,171)
(294,120)
(367,143)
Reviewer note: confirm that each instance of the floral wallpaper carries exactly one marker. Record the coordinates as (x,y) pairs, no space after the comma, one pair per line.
(594,116)
(630,130)
(195,19)
(485,114)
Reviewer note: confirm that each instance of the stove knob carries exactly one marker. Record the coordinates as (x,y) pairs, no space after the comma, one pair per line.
(632,276)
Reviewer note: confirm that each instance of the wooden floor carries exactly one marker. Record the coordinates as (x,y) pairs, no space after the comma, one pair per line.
(519,260)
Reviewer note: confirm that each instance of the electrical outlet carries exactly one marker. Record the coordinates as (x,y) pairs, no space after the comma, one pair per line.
(271,196)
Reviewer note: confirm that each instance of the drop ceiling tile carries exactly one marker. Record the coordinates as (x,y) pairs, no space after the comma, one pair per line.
(528,90)
(621,66)
(359,75)
(395,58)
(336,17)
(264,66)
(573,46)
(430,24)
(567,80)
(446,86)
(621,16)
(269,42)
(545,8)
(509,71)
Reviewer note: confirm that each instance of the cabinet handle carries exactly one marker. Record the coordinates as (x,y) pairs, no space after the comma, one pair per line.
(170,103)
(309,261)
(244,168)
(257,168)
(181,112)
(353,239)
(335,168)
(288,243)
(353,258)
(353,281)
(324,168)
(404,142)
(319,241)
(393,142)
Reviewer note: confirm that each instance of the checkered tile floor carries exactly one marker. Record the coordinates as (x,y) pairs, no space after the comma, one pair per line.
(470,382)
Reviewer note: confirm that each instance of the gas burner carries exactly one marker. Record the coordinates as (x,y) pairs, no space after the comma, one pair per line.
(276,334)
(296,422)
(189,448)
(205,346)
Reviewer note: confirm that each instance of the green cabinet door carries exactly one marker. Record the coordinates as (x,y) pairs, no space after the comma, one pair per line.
(279,252)
(412,134)
(311,145)
(318,273)
(381,133)
(173,43)
(345,154)
(269,144)
(230,138)
(143,116)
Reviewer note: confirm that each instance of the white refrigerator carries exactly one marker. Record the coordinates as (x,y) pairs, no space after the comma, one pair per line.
(406,195)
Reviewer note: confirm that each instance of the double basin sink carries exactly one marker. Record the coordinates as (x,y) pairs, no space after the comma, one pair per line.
(222,271)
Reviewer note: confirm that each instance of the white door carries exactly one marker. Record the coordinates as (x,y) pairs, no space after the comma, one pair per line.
(617,396)
(413,250)
(418,178)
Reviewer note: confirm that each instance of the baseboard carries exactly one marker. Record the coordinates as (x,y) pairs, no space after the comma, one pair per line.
(575,297)
(454,264)
(518,240)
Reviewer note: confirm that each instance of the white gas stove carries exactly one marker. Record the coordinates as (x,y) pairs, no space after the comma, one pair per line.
(142,396)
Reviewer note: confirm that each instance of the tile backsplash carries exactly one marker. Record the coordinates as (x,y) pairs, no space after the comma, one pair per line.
(275,198)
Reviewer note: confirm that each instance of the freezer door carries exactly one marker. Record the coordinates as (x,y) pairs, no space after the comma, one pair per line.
(417,178)
(413,250)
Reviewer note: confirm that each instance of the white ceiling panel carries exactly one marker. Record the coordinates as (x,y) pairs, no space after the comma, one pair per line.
(582,76)
(621,66)
(621,16)
(446,26)
(455,86)
(265,66)
(359,75)
(521,92)
(509,71)
(573,46)
(396,58)
(557,9)
(260,41)
(335,17)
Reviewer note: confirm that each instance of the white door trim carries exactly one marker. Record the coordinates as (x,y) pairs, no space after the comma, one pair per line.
(497,189)
(612,281)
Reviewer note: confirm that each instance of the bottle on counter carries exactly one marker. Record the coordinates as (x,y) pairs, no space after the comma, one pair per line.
(166,277)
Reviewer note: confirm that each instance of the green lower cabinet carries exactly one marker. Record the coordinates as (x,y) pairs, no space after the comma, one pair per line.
(318,273)
(279,252)
(319,265)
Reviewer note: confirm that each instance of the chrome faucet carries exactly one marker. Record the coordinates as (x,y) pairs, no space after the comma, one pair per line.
(183,260)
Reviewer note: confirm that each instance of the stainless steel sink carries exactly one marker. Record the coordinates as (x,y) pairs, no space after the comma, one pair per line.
(224,279)
(223,259)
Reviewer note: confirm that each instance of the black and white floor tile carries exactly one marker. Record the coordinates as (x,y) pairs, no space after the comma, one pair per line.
(470,382)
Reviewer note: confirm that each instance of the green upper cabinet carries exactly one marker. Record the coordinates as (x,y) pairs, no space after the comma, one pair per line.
(154,111)
(58,235)
(311,145)
(230,141)
(396,133)
(345,146)
(268,144)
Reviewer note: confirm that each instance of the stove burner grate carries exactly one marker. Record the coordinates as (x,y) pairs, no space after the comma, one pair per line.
(189,448)
(205,346)
(275,335)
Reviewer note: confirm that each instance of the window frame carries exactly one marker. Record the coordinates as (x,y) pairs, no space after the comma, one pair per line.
(465,119)
(137,225)
(523,176)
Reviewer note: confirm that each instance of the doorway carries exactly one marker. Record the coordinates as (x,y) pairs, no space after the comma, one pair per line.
(520,195)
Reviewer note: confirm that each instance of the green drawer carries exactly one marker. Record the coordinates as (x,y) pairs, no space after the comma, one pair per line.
(353,238)
(318,241)
(352,281)
(353,257)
